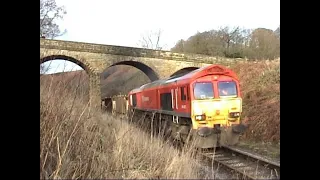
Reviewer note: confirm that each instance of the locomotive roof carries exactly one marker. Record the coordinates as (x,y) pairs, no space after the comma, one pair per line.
(192,74)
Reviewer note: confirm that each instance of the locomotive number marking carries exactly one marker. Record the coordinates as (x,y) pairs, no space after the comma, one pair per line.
(183,106)
(144,99)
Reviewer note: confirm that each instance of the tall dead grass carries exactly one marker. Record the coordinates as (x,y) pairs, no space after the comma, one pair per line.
(82,143)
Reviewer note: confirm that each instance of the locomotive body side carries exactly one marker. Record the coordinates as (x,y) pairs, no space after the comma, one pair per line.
(149,99)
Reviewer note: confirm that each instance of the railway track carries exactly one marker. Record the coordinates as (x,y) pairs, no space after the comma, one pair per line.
(246,165)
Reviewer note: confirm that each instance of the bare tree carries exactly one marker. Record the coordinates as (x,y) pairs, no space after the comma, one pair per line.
(265,44)
(45,68)
(179,47)
(152,40)
(228,36)
(49,13)
(234,42)
(198,43)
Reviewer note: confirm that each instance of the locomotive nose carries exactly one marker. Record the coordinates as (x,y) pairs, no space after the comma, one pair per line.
(204,131)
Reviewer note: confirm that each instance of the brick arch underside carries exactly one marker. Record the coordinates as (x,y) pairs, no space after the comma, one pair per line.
(152,75)
(84,65)
(183,71)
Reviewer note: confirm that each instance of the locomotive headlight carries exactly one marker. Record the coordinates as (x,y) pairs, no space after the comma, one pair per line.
(200,117)
(234,114)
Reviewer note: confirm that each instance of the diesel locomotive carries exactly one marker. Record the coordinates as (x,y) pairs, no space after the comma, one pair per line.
(203,106)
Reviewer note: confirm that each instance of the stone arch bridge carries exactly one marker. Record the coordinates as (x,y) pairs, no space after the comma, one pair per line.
(95,58)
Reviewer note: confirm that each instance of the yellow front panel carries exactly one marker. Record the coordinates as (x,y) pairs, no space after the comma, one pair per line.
(216,111)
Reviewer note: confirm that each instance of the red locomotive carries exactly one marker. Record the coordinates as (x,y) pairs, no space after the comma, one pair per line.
(204,104)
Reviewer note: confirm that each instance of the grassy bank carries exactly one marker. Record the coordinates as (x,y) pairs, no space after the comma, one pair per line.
(260,85)
(79,142)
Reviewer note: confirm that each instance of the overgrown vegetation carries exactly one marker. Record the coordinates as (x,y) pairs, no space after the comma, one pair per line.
(257,44)
(50,12)
(260,85)
(79,142)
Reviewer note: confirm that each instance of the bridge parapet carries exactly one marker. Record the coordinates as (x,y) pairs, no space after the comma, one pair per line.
(131,51)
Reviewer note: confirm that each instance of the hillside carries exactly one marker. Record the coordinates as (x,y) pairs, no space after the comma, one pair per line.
(70,80)
(260,83)
(121,80)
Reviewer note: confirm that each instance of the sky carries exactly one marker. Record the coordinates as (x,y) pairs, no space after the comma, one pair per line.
(124,22)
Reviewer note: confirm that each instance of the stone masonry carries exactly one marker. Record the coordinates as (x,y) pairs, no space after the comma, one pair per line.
(95,58)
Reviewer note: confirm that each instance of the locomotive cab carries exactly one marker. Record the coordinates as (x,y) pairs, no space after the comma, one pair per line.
(216,109)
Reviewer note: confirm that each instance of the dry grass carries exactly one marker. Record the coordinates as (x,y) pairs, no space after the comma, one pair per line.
(260,85)
(79,142)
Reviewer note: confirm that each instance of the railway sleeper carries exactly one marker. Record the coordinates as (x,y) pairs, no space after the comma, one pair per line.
(231,161)
(218,156)
(252,165)
(222,159)
(255,173)
(239,166)
(247,171)
(214,154)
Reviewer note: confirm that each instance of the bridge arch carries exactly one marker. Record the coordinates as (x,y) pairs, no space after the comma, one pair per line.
(152,75)
(84,65)
(94,75)
(184,71)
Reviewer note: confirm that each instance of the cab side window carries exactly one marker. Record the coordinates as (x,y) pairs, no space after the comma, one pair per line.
(184,93)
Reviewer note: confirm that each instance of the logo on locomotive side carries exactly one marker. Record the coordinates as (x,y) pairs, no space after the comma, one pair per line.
(144,99)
